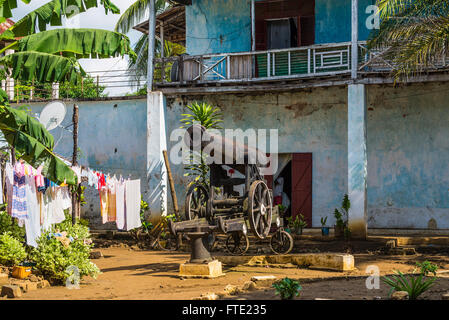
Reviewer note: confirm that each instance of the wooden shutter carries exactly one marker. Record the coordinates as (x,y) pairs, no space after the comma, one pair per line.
(301,201)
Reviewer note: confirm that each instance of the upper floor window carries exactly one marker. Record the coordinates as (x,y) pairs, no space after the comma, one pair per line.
(284,24)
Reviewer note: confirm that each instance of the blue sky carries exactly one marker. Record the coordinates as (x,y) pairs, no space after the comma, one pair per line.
(93,18)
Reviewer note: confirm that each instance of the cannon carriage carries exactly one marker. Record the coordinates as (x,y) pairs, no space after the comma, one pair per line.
(236,199)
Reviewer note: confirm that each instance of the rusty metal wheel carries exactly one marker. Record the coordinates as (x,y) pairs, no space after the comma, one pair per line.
(196,201)
(281,242)
(260,207)
(237,243)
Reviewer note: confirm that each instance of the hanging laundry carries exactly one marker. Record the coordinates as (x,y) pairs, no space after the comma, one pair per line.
(132,204)
(32,224)
(120,204)
(112,213)
(19,205)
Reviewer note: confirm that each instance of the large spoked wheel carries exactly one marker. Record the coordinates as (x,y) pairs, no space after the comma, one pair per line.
(281,242)
(259,209)
(167,241)
(196,201)
(237,243)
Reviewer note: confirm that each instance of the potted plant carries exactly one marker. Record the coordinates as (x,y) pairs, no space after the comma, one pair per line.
(341,218)
(324,229)
(297,224)
(287,288)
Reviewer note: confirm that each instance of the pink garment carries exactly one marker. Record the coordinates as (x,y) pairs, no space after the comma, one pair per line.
(40,182)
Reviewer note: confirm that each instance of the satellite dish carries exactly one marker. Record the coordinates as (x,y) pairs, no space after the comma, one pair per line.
(53,114)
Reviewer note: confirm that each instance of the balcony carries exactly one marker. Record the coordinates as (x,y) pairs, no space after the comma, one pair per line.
(328,64)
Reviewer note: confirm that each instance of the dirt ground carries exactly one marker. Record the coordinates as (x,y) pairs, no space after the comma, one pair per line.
(143,274)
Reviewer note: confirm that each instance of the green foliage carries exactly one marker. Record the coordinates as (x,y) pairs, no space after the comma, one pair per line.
(52,13)
(210,118)
(427,267)
(203,114)
(414,285)
(415,33)
(287,288)
(35,144)
(12,251)
(146,225)
(52,258)
(341,216)
(298,223)
(282,209)
(323,221)
(9,225)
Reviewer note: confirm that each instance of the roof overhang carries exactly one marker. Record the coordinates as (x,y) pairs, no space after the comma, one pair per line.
(173,22)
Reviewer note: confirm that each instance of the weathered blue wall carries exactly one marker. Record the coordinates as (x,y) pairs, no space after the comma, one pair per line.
(407,146)
(408,156)
(216,26)
(333,20)
(112,139)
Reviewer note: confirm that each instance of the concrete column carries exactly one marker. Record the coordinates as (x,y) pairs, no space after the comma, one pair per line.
(357,160)
(156,143)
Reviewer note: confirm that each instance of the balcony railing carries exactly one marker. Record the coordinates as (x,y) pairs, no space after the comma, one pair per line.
(304,62)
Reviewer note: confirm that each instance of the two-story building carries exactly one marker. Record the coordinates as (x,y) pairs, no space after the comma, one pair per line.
(301,66)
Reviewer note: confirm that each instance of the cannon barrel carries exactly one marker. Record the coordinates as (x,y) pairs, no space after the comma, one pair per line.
(198,138)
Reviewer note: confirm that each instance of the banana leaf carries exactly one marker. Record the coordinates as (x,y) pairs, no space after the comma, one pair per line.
(52,13)
(21,121)
(76,43)
(7,5)
(35,144)
(42,67)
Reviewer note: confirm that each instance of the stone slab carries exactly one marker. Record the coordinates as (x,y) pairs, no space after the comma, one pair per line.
(212,269)
(328,261)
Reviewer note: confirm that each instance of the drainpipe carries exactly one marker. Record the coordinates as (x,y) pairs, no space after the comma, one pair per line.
(151,41)
(354,38)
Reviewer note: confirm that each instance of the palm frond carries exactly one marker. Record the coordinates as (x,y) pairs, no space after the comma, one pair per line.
(53,12)
(76,43)
(135,13)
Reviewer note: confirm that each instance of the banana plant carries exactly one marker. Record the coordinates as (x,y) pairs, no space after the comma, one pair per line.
(34,144)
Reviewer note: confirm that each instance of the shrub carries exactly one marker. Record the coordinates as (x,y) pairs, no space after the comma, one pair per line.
(7,224)
(287,288)
(12,251)
(52,258)
(414,285)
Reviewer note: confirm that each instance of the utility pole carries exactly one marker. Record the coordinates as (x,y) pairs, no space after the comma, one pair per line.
(151,45)
(75,161)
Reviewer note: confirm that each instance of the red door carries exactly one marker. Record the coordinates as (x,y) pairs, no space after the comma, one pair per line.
(302,186)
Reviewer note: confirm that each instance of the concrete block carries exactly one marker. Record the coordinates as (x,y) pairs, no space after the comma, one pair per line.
(207,296)
(264,281)
(445,296)
(212,269)
(11,291)
(4,279)
(399,295)
(95,255)
(231,290)
(31,286)
(43,284)
(328,261)
(249,286)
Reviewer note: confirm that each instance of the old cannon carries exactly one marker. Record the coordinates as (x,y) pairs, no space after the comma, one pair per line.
(236,199)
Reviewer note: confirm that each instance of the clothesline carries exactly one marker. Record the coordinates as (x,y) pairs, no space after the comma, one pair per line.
(38,203)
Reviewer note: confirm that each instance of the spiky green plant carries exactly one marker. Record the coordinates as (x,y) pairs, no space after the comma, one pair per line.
(414,33)
(414,285)
(202,113)
(210,118)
